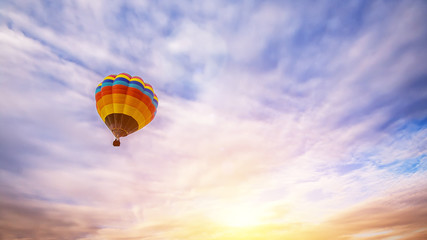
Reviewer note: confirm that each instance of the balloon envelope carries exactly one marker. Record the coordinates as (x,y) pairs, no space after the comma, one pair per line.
(125,103)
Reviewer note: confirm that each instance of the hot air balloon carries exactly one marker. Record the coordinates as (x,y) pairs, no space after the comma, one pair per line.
(125,104)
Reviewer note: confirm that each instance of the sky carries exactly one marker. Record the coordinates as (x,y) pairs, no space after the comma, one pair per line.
(276,120)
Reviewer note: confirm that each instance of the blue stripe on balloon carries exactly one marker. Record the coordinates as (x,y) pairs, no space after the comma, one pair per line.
(150,92)
(141,88)
(137,87)
(105,83)
(98,89)
(136,83)
(121,79)
(121,82)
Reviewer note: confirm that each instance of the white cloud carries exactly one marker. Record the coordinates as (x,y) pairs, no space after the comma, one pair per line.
(271,140)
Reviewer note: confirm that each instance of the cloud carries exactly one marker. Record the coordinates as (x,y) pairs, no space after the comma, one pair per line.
(297,117)
(22,218)
(400,214)
(397,215)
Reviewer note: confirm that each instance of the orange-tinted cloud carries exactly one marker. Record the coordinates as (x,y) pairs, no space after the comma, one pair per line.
(22,218)
(401,215)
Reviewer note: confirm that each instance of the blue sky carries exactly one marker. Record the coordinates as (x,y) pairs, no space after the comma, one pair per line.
(276,119)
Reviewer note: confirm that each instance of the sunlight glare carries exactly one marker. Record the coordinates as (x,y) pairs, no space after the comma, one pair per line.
(240,217)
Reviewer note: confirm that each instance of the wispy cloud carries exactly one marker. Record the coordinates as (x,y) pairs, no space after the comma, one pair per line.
(296,119)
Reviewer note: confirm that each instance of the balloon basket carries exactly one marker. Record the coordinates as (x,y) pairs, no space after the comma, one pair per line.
(116,143)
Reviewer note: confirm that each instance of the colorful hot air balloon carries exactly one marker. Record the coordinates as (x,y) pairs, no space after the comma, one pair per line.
(125,103)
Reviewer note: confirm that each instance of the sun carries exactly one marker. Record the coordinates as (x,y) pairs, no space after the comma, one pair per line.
(239,217)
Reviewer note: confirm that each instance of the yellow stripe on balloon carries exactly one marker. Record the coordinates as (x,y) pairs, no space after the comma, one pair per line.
(137,104)
(102,102)
(118,107)
(123,76)
(105,100)
(126,104)
(150,88)
(106,110)
(118,98)
(134,104)
(130,111)
(138,80)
